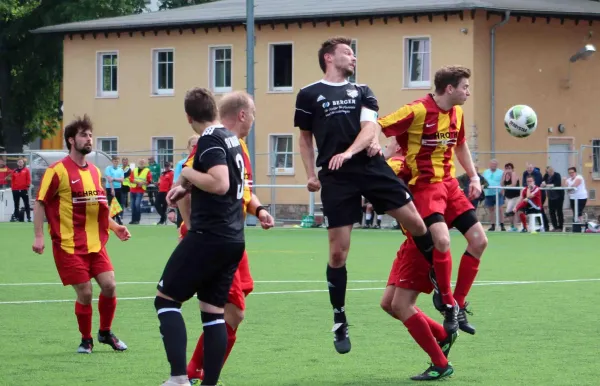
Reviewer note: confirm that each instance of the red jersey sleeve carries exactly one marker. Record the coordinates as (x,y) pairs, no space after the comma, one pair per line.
(398,122)
(461,124)
(49,186)
(189,162)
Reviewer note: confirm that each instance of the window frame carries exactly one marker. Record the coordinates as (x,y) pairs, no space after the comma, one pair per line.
(408,84)
(155,90)
(212,73)
(285,171)
(271,69)
(100,93)
(99,140)
(595,161)
(155,151)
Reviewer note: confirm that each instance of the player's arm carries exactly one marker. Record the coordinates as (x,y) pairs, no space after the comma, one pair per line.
(263,215)
(369,129)
(211,154)
(463,154)
(48,189)
(303,117)
(398,122)
(185,209)
(307,153)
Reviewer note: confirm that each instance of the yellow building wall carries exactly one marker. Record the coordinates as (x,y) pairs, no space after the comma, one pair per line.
(136,116)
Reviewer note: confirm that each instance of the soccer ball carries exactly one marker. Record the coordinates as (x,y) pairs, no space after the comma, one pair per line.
(520,121)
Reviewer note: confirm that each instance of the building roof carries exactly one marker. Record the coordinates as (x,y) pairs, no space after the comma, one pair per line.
(234,12)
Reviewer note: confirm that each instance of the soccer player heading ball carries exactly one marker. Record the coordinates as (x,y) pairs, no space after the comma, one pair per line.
(342,117)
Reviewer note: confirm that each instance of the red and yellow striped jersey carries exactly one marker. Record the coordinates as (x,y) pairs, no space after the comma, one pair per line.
(397,164)
(427,136)
(76,206)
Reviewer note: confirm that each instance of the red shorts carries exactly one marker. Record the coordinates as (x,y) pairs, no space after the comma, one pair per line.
(242,283)
(410,269)
(445,198)
(76,269)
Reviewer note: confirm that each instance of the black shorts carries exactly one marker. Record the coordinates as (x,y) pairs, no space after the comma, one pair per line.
(341,191)
(201,265)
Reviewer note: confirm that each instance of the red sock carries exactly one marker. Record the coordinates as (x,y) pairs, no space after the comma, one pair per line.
(231,337)
(197,362)
(84,319)
(107,308)
(523,220)
(437,329)
(442,265)
(194,368)
(467,271)
(419,329)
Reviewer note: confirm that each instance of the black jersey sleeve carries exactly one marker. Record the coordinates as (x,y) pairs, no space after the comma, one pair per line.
(369,100)
(304,115)
(211,152)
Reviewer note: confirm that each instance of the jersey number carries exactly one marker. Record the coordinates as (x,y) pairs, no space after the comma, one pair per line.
(240,163)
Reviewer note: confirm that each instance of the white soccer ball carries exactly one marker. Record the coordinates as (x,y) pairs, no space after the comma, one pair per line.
(520,121)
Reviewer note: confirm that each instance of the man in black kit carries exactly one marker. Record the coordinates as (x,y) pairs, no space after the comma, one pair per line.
(205,261)
(342,117)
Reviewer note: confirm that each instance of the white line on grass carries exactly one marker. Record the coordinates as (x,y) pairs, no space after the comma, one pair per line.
(320,290)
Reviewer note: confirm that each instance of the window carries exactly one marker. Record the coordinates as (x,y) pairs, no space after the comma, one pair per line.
(220,69)
(163,72)
(163,150)
(282,153)
(418,63)
(107,145)
(596,158)
(280,62)
(108,63)
(352,78)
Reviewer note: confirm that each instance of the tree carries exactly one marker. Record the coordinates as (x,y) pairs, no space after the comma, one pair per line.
(31,64)
(169,4)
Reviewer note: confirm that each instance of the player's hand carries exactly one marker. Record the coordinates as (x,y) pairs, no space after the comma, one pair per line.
(122,233)
(313,184)
(474,190)
(38,245)
(338,160)
(266,220)
(374,148)
(175,194)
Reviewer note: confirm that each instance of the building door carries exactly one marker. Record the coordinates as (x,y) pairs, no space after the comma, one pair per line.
(559,159)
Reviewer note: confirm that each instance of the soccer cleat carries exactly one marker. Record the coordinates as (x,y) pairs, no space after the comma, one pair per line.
(107,337)
(447,343)
(463,323)
(433,373)
(195,382)
(450,314)
(341,338)
(86,346)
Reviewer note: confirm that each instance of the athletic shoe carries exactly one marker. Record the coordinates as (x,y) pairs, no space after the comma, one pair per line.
(450,314)
(447,343)
(463,323)
(86,346)
(341,338)
(107,337)
(433,373)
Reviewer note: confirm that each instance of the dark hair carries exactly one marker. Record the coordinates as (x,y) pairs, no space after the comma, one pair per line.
(530,177)
(573,169)
(329,46)
(509,165)
(115,158)
(76,126)
(200,105)
(450,75)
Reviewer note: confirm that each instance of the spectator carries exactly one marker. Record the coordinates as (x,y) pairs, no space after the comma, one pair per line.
(531,202)
(126,185)
(139,179)
(5,173)
(538,178)
(191,144)
(578,192)
(165,183)
(20,183)
(464,181)
(510,179)
(493,175)
(114,180)
(556,198)
(153,188)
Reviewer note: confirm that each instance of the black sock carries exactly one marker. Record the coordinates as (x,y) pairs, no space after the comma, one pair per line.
(378,222)
(336,281)
(215,345)
(425,245)
(172,329)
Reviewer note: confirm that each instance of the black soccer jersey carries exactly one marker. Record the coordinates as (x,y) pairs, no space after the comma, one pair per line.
(331,111)
(221,216)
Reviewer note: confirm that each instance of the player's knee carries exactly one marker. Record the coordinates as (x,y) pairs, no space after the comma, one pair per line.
(338,257)
(441,243)
(108,289)
(386,305)
(234,316)
(164,305)
(478,244)
(85,297)
(402,309)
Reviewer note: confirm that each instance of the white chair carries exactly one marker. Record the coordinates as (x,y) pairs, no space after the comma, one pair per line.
(531,222)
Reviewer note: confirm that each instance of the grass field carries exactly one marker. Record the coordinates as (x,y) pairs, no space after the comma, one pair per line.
(535,306)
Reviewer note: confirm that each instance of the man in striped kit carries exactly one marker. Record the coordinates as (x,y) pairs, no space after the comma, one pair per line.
(73,200)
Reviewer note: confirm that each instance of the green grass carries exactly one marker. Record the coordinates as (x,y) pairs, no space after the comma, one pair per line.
(538,333)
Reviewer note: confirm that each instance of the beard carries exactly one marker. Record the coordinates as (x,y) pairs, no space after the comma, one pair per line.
(83,150)
(347,71)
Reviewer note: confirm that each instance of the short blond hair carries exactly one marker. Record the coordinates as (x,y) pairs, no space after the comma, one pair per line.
(232,103)
(192,138)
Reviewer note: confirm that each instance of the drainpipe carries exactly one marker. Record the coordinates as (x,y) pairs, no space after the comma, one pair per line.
(493,81)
